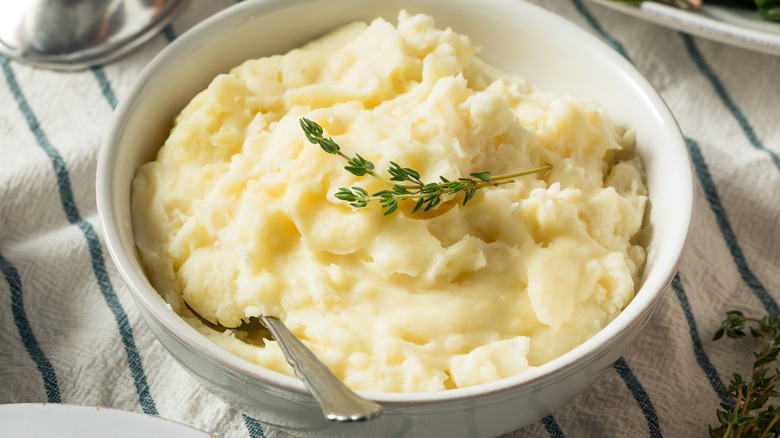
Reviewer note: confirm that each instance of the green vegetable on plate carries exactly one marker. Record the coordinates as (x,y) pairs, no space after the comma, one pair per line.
(767,9)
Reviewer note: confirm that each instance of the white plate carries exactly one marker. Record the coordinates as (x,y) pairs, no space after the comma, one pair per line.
(45,420)
(730,25)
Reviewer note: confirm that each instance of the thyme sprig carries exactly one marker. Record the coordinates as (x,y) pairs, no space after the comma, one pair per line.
(749,417)
(404,183)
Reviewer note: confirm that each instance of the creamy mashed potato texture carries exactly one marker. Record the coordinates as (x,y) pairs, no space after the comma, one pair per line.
(237,216)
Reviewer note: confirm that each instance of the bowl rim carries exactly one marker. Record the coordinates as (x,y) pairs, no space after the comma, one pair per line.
(546,374)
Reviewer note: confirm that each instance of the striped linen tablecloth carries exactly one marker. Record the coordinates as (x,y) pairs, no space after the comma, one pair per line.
(70,333)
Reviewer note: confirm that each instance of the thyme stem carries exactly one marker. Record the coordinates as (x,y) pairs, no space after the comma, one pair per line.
(771,424)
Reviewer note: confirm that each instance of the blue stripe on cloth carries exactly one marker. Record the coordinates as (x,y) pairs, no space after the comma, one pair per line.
(698,350)
(169,33)
(93,242)
(609,39)
(552,427)
(720,90)
(253,427)
(105,86)
(25,331)
(711,193)
(640,395)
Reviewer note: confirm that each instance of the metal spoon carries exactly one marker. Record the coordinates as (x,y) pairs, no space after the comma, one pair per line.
(76,34)
(337,401)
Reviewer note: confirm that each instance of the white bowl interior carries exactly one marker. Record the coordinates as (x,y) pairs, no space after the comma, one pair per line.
(515,36)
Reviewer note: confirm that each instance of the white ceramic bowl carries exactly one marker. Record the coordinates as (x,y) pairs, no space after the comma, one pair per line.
(520,38)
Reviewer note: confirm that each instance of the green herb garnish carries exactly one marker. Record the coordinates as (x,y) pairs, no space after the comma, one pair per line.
(404,183)
(749,417)
(767,9)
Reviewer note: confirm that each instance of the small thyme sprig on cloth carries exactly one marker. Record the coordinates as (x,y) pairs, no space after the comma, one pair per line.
(428,195)
(748,417)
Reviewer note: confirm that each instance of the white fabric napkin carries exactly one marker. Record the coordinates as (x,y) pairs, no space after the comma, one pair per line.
(70,333)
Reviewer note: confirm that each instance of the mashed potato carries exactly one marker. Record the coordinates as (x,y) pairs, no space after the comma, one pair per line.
(237,214)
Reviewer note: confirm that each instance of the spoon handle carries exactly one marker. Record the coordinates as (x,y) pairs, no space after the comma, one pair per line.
(338,402)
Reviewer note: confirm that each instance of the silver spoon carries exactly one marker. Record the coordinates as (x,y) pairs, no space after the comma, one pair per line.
(76,34)
(337,401)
